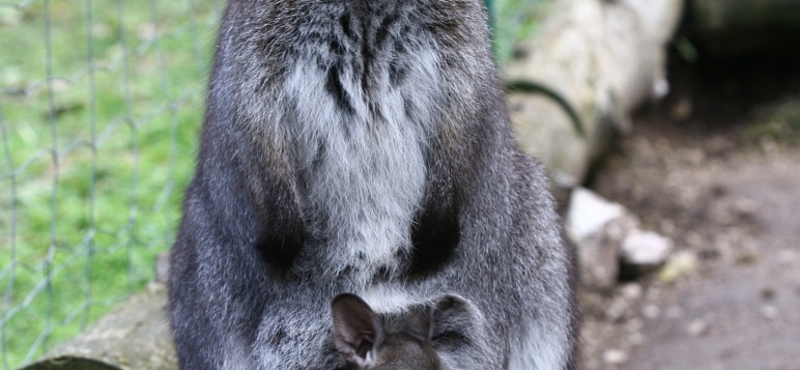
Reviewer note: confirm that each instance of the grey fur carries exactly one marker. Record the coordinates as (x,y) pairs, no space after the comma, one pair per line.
(363,146)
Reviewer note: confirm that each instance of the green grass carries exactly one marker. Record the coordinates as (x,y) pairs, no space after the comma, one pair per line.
(93,219)
(79,230)
(515,21)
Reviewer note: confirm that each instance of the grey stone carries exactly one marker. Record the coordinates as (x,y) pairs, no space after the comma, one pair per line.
(597,227)
(646,248)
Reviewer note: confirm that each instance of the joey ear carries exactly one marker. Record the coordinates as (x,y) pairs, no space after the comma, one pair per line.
(454,322)
(420,323)
(357,330)
(451,308)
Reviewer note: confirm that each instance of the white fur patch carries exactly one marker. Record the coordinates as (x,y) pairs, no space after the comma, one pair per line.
(540,349)
(387,298)
(364,175)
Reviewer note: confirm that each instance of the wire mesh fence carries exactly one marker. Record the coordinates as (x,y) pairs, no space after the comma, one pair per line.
(100,104)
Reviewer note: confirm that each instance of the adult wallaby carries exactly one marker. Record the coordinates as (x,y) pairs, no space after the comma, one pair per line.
(370,342)
(363,146)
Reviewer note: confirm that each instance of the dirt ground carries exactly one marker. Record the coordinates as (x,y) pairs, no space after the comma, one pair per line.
(716,167)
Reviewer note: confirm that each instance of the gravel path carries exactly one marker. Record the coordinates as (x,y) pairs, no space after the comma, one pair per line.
(730,199)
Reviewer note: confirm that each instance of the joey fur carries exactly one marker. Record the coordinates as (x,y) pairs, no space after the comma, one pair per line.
(363,146)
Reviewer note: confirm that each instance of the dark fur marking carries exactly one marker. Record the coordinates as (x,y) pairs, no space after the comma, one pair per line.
(367,54)
(408,107)
(399,48)
(434,236)
(383,30)
(319,155)
(336,47)
(344,22)
(280,244)
(396,74)
(313,37)
(334,87)
(279,336)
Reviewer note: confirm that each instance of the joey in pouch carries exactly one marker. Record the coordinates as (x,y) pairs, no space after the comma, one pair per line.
(368,343)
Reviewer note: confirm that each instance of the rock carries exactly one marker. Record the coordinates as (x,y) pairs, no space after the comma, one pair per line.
(697,328)
(636,339)
(788,256)
(605,233)
(597,227)
(769,312)
(615,357)
(651,311)
(598,262)
(767,293)
(646,249)
(589,213)
(632,291)
(642,252)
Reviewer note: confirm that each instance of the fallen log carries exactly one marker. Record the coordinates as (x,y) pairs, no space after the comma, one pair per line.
(604,59)
(133,336)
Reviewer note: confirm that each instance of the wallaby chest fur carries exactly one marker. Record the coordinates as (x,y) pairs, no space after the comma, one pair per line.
(363,146)
(356,91)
